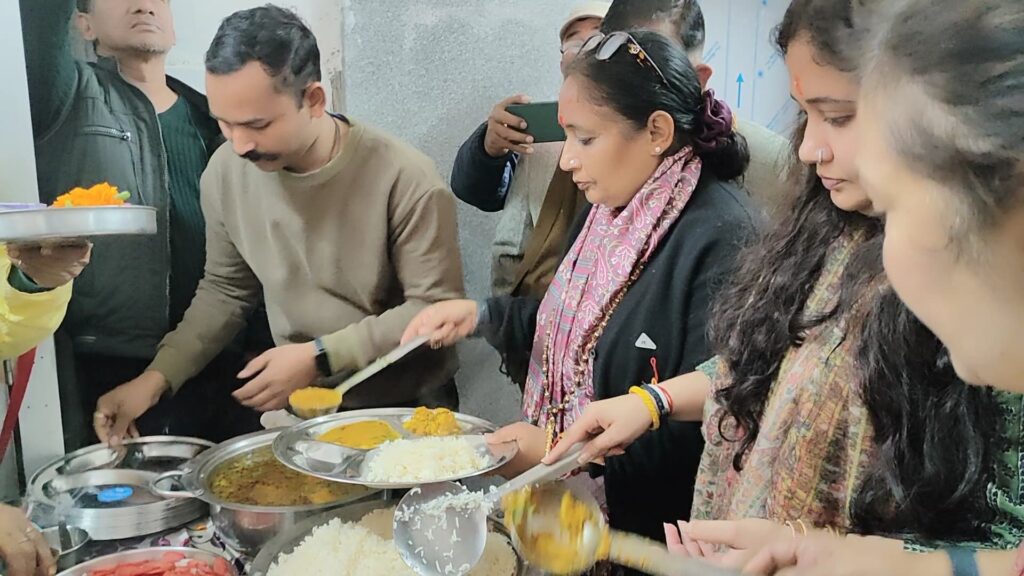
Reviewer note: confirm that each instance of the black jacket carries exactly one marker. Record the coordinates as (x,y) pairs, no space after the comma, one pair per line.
(478,179)
(653,482)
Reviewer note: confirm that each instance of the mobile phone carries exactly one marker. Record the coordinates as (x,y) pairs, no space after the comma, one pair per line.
(541,120)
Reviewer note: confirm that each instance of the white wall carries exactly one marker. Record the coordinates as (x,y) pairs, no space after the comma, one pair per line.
(40,414)
(196,22)
(17,160)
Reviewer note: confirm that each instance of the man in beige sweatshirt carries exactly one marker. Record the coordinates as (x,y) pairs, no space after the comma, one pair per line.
(349,231)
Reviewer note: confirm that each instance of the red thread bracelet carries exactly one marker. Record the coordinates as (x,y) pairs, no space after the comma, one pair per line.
(671,403)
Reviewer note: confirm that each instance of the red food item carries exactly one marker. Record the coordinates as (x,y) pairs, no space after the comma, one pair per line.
(221,567)
(169,564)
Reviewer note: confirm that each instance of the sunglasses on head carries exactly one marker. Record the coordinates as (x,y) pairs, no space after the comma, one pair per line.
(606,46)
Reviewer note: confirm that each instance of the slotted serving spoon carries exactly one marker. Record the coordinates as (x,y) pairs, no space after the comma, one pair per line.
(450,539)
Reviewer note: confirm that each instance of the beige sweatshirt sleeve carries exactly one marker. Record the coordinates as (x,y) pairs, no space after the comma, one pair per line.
(224,299)
(426,256)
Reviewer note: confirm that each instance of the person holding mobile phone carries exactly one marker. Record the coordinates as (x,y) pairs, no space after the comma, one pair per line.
(502,168)
(510,165)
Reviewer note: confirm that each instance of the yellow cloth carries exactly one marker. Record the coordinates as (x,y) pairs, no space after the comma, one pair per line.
(27,319)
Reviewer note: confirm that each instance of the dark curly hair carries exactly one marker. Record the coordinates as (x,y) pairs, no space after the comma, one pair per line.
(916,404)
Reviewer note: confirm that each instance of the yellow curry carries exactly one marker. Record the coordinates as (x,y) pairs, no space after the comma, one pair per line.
(556,552)
(313,402)
(364,435)
(437,422)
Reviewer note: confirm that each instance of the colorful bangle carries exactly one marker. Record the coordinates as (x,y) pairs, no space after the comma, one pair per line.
(803,527)
(658,399)
(649,402)
(792,525)
(668,397)
(667,403)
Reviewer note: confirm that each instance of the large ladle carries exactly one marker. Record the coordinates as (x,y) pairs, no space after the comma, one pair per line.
(338,393)
(544,540)
(441,529)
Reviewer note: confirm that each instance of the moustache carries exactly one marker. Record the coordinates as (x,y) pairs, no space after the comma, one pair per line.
(256,156)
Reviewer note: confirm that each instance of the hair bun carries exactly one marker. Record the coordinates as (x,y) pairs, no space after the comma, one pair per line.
(718,123)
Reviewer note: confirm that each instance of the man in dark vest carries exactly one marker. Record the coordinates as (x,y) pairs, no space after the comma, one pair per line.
(122,120)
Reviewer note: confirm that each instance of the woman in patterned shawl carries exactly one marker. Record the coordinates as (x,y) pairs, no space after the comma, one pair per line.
(656,156)
(828,404)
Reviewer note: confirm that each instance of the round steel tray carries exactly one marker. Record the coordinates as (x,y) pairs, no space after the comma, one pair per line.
(106,491)
(39,224)
(287,541)
(353,470)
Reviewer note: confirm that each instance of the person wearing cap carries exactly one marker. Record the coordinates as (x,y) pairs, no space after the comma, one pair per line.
(500,169)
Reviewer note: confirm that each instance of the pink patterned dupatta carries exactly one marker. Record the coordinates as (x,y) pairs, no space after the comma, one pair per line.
(611,247)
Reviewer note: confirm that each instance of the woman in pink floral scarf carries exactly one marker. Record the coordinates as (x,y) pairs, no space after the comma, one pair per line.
(657,158)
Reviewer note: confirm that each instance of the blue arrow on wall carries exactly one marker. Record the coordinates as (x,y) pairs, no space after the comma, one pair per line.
(739,90)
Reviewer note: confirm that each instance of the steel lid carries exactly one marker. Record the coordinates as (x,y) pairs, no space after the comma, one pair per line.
(106,491)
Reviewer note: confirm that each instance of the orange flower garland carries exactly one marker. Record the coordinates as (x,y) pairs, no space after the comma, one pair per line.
(103,194)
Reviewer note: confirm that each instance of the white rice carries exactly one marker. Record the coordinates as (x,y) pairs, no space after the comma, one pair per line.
(345,549)
(466,502)
(422,460)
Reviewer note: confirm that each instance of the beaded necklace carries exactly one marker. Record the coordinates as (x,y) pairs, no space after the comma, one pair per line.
(582,358)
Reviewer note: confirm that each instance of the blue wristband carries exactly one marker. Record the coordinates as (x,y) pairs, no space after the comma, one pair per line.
(965,562)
